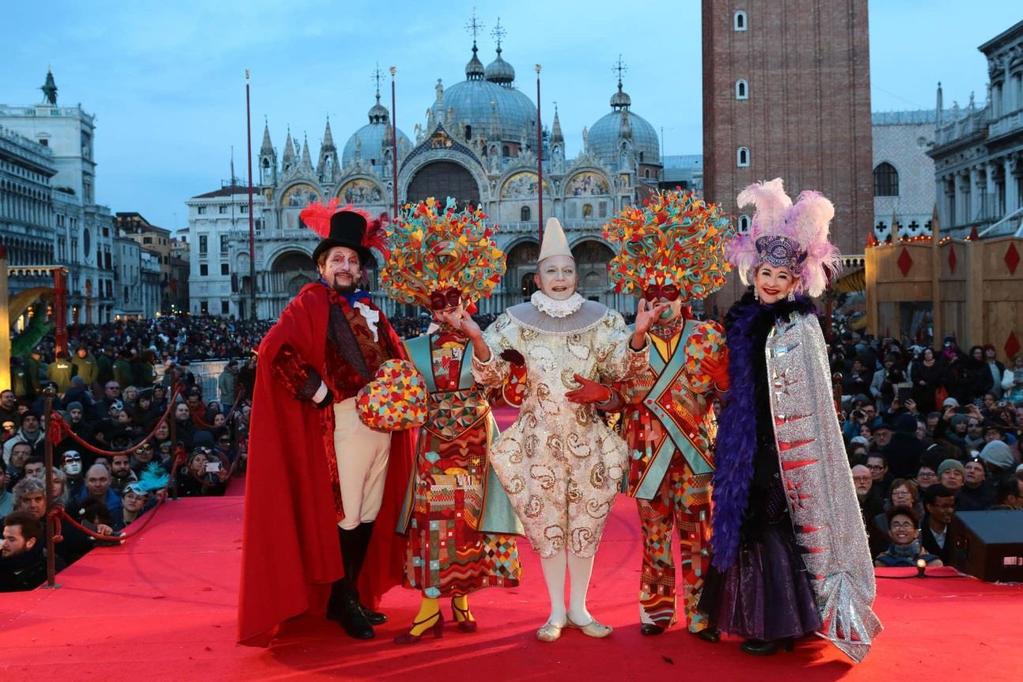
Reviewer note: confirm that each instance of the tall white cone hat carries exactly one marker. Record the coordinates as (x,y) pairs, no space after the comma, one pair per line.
(554,241)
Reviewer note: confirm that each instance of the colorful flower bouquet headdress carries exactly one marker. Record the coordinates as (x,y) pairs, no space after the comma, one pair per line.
(435,250)
(675,239)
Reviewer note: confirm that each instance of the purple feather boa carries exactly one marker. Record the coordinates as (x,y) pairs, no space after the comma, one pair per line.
(737,431)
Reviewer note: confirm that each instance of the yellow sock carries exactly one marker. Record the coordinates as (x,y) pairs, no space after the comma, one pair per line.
(429,610)
(461,608)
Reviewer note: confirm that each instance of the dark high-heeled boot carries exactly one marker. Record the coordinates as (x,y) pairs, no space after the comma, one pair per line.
(761,647)
(343,605)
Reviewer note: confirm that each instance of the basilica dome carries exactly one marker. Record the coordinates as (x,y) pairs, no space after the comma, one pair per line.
(606,133)
(478,99)
(370,138)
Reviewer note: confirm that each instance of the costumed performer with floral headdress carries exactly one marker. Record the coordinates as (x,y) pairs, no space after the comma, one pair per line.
(672,252)
(790,553)
(457,518)
(560,464)
(319,479)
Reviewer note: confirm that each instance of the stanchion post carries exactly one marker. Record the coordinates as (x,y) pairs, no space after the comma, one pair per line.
(173,425)
(51,567)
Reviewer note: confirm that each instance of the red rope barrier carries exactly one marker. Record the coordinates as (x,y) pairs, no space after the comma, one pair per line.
(58,429)
(59,512)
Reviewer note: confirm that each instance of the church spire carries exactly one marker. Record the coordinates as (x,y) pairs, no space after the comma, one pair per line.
(556,136)
(307,161)
(288,161)
(620,100)
(474,70)
(49,88)
(267,147)
(328,137)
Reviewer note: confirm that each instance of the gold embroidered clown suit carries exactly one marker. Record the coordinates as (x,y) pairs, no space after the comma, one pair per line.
(671,251)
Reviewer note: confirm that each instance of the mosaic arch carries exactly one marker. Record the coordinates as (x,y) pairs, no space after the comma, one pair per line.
(360,191)
(300,195)
(587,183)
(523,185)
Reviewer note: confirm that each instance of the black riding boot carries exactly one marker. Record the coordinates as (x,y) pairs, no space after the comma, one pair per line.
(344,598)
(365,531)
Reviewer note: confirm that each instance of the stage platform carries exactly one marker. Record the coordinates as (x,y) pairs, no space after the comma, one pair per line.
(163,607)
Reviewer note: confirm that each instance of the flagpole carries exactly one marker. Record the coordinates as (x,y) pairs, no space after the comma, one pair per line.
(394,143)
(539,161)
(252,221)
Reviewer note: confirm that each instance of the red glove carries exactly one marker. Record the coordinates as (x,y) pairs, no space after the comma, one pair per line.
(717,369)
(589,392)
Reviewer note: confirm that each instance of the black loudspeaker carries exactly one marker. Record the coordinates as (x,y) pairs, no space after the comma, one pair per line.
(988,544)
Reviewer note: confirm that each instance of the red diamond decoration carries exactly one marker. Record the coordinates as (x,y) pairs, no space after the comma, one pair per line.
(952,259)
(1012,258)
(1011,345)
(905,261)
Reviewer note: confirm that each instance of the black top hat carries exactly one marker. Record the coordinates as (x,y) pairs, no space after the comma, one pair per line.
(347,228)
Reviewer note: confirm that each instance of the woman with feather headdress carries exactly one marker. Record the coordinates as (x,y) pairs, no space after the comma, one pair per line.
(790,553)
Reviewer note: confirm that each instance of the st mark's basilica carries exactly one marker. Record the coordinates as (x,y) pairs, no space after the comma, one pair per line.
(478,145)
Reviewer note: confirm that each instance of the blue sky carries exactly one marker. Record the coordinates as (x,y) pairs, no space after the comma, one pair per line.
(166,79)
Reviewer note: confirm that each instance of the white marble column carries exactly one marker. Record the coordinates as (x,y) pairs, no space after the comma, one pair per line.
(1011,187)
(976,194)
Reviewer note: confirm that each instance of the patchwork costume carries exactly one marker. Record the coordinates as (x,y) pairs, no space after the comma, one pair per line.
(457,519)
(676,243)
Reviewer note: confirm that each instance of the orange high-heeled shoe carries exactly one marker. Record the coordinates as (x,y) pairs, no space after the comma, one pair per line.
(437,629)
(462,617)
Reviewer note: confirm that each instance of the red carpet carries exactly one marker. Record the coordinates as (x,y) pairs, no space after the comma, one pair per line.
(163,607)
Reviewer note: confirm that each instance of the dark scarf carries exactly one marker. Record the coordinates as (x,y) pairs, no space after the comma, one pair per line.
(747,322)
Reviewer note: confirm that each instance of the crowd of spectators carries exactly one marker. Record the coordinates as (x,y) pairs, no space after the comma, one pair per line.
(929,432)
(130,439)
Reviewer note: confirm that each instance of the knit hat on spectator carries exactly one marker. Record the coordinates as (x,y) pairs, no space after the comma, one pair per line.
(860,440)
(997,454)
(950,402)
(74,405)
(960,419)
(951,464)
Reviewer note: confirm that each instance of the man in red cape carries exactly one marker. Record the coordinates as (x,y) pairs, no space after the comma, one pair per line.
(299,546)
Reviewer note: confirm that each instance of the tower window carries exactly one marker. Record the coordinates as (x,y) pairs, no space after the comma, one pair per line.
(744,223)
(740,22)
(742,157)
(741,89)
(524,214)
(468,132)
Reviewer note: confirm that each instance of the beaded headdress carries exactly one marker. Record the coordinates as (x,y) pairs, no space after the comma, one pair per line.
(788,235)
(676,238)
(433,249)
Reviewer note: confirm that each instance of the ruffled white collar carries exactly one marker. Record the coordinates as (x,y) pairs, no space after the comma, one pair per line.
(555,308)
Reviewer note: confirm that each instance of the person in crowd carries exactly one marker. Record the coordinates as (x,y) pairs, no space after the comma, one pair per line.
(9,408)
(20,455)
(903,450)
(929,377)
(998,458)
(952,475)
(940,505)
(22,553)
(886,380)
(86,367)
(98,487)
(111,394)
(133,504)
(761,585)
(201,476)
(905,548)
(227,382)
(121,473)
(6,497)
(878,465)
(1009,494)
(903,493)
(35,465)
(31,432)
(1012,381)
(977,493)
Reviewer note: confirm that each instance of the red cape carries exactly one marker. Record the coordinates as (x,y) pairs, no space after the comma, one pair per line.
(290,551)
